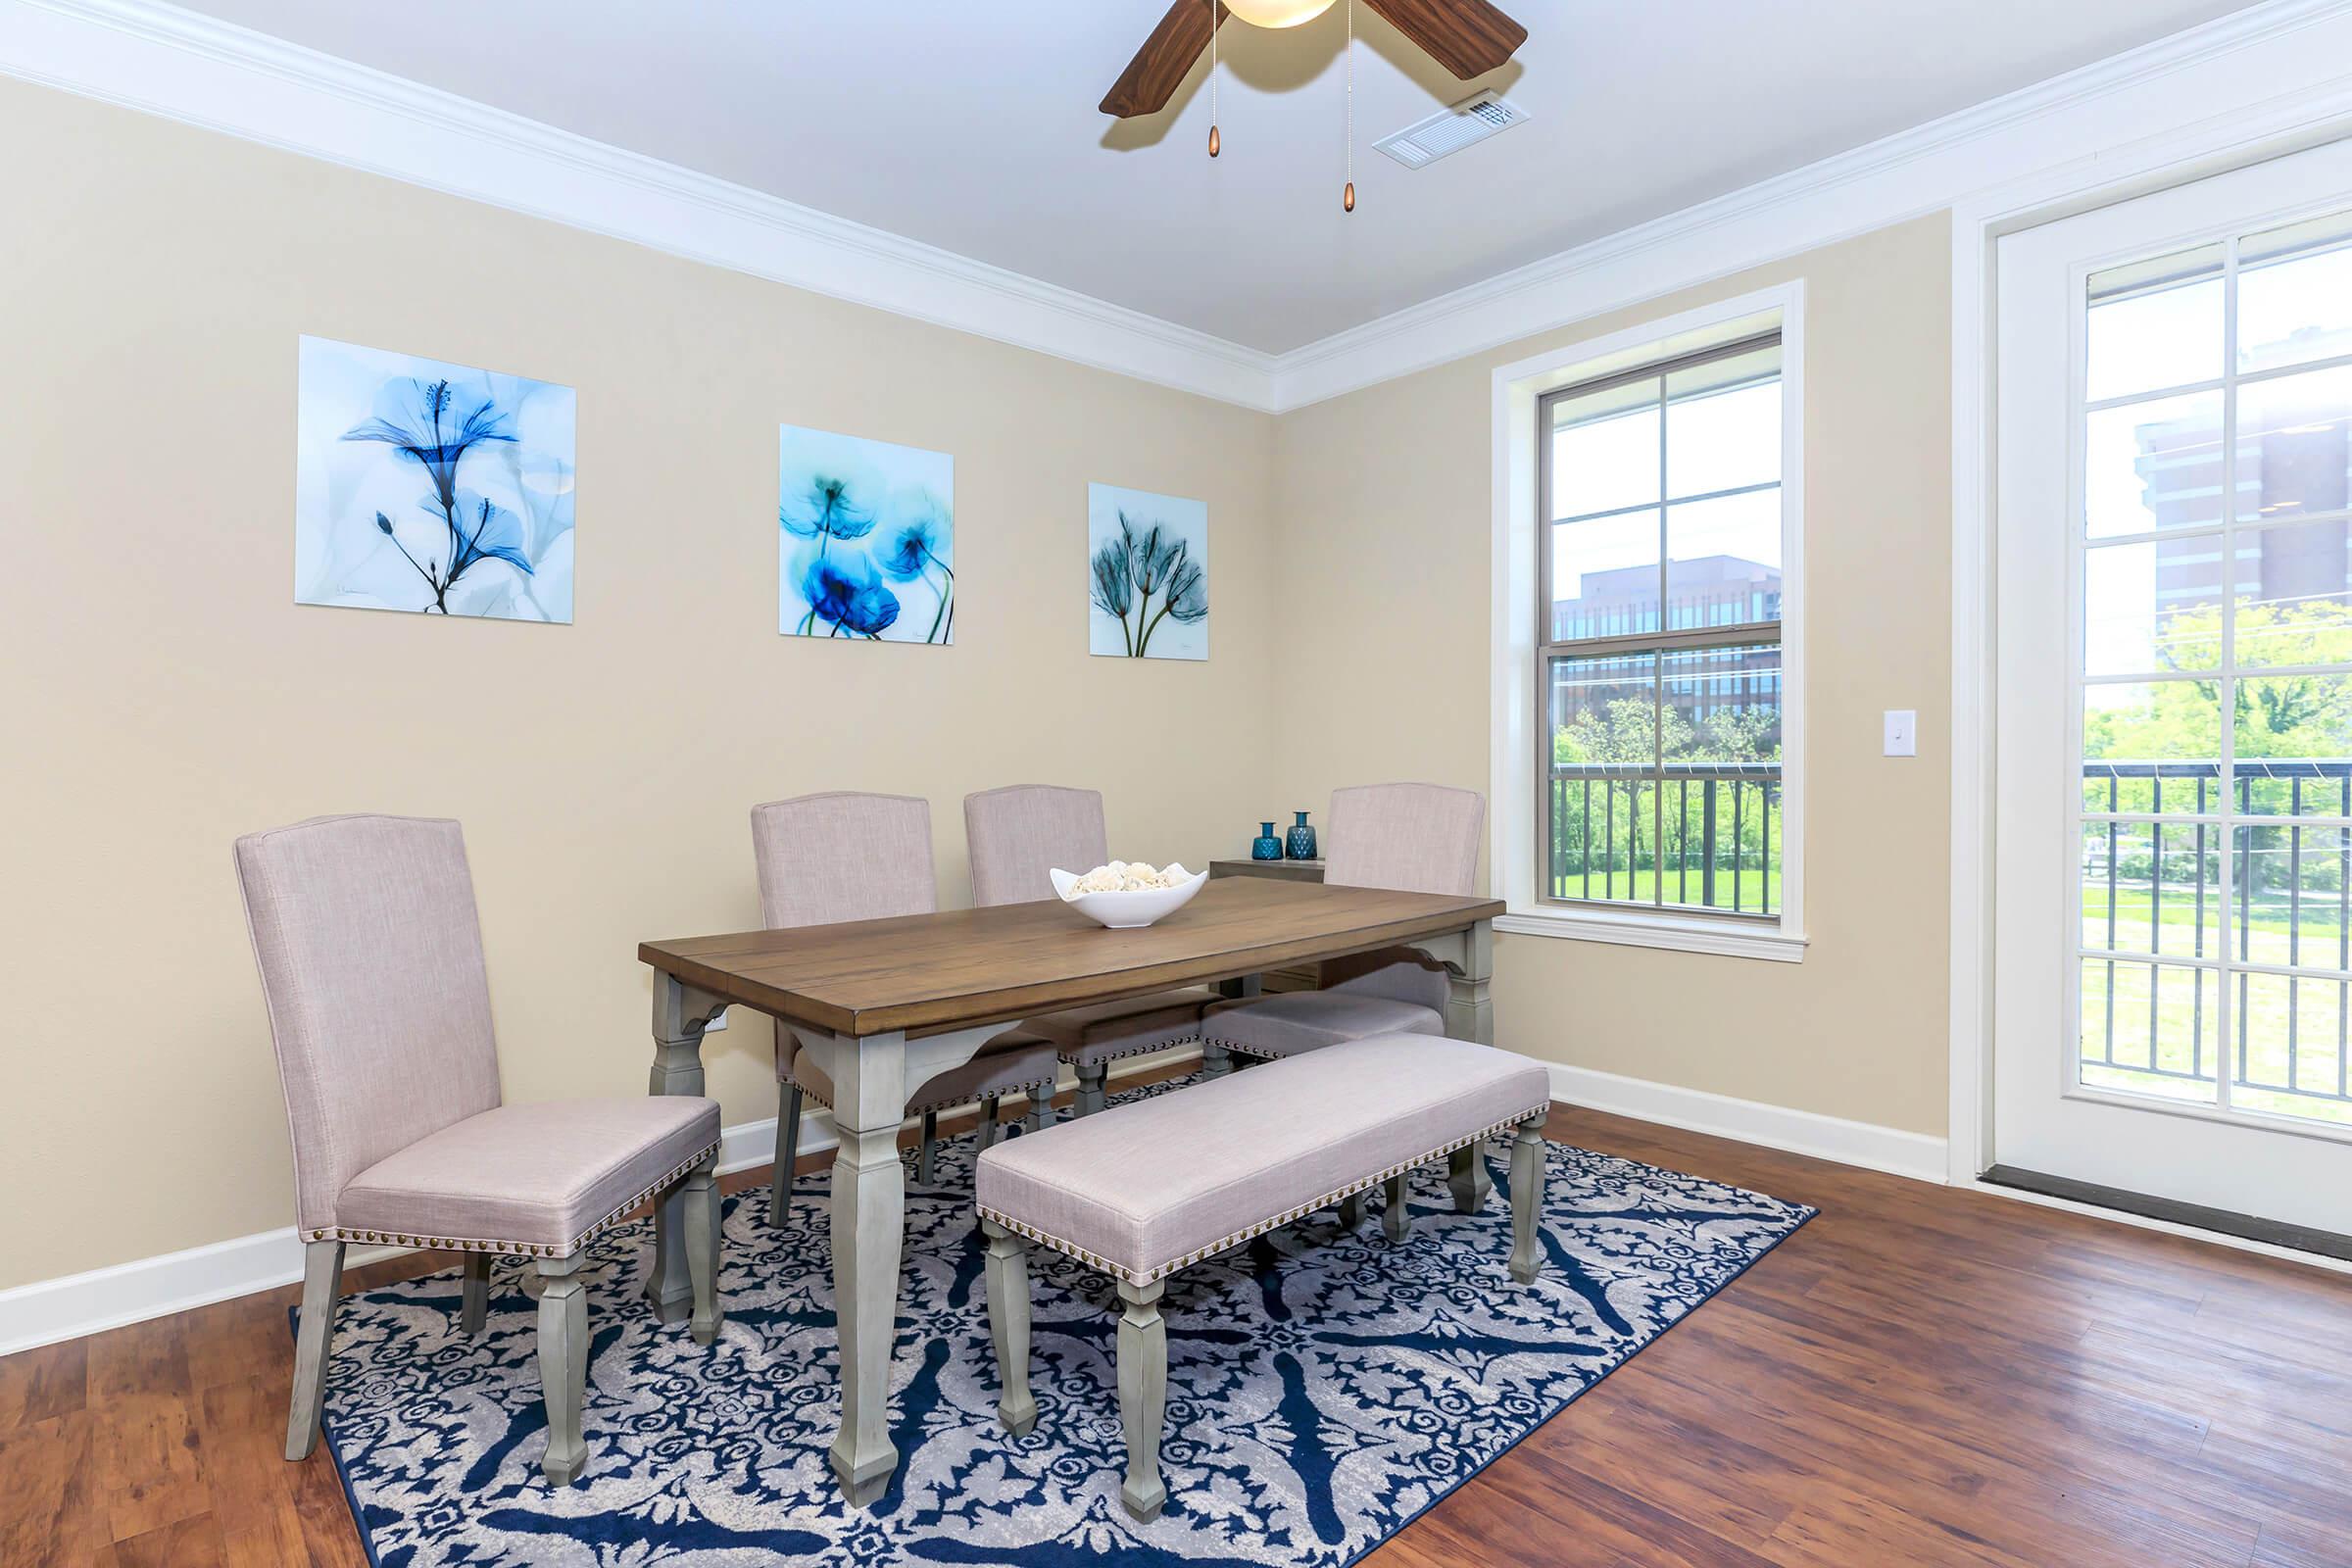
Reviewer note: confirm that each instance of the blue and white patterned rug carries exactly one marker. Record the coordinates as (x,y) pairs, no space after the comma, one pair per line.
(1323,1389)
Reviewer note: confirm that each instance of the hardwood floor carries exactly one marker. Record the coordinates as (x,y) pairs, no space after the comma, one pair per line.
(1919,1376)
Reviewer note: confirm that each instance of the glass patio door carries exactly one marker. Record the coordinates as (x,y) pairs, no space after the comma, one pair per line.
(2173,503)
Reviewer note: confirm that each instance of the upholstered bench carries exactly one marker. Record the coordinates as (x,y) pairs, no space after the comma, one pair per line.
(1146,1188)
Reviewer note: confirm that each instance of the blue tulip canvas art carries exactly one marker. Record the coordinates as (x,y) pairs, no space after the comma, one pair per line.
(1148,575)
(433,488)
(865,538)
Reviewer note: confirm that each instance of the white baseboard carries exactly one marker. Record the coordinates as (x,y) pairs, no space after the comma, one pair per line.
(1751,1121)
(46,1312)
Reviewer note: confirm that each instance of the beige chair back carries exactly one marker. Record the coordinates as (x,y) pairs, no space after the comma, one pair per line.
(842,856)
(826,859)
(1414,838)
(1018,833)
(371,956)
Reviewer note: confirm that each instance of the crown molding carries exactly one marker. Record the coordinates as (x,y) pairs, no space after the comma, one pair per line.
(2280,63)
(203,71)
(2239,66)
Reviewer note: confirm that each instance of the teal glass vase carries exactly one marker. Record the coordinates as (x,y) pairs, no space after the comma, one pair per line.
(1265,847)
(1300,845)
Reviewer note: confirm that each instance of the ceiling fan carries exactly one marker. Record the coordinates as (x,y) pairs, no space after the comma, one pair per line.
(1468,37)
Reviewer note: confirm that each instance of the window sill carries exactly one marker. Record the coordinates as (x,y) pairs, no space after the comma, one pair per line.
(1719,938)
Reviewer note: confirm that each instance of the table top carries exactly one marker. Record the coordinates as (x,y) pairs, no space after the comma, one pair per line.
(926,973)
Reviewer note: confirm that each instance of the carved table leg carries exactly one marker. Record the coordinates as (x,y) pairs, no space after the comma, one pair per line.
(869,1217)
(681,1015)
(1469,960)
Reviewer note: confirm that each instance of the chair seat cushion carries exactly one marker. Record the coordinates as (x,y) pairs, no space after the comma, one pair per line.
(1143,1189)
(1309,1020)
(1010,1064)
(541,1178)
(1109,1030)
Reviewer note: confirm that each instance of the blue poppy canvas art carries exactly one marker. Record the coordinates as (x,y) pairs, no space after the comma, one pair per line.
(1148,575)
(428,487)
(865,539)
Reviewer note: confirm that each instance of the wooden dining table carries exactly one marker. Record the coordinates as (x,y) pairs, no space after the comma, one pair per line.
(887,1004)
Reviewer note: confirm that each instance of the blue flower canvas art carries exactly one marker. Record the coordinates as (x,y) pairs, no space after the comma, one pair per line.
(431,487)
(865,539)
(1148,575)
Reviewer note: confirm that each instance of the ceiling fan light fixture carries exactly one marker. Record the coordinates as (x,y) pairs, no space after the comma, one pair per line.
(1278,13)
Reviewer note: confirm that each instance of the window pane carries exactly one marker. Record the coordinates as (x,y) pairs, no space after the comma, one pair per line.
(1604,450)
(1723,564)
(2295,444)
(1721,734)
(2291,1048)
(2289,891)
(1604,576)
(2152,606)
(2150,1029)
(1604,712)
(2295,294)
(2152,746)
(2155,325)
(2295,593)
(2293,717)
(2152,887)
(1722,424)
(2151,465)
(1604,739)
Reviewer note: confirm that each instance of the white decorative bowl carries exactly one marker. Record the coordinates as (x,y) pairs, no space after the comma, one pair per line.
(1125,912)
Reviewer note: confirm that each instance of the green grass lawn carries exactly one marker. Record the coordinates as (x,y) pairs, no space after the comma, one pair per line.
(1640,887)
(2291,1028)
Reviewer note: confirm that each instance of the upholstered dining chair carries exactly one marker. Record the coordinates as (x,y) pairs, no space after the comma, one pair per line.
(833,857)
(1017,834)
(372,967)
(1416,838)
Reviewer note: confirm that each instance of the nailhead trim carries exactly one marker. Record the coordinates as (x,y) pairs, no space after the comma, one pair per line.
(339,1233)
(1075,1052)
(1116,1271)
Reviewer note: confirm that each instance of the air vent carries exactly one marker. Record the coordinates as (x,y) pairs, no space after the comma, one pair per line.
(1450,130)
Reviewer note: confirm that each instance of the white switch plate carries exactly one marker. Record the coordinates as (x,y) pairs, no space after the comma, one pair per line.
(716,1024)
(1902,732)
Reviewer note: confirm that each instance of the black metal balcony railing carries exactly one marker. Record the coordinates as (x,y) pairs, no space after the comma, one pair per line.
(1700,836)
(2290,883)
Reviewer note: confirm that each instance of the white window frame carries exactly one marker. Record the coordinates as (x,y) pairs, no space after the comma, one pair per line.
(1517,388)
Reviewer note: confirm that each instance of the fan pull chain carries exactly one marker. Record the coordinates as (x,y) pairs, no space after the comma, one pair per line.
(1216,143)
(1347,197)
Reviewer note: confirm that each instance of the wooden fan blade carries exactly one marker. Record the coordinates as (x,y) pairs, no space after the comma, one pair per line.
(1468,37)
(1159,66)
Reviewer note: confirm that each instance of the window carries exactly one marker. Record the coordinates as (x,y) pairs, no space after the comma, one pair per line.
(1659,581)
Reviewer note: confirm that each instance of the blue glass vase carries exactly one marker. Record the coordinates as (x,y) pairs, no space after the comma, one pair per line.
(1301,844)
(1265,847)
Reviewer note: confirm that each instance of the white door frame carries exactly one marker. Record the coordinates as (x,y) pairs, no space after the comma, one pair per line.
(2265,129)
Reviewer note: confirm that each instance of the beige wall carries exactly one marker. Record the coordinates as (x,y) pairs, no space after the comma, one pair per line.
(1385,545)
(163,693)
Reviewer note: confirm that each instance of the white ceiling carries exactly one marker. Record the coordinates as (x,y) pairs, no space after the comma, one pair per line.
(972,127)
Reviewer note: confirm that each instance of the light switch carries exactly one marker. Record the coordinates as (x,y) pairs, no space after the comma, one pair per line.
(1902,732)
(720,1022)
